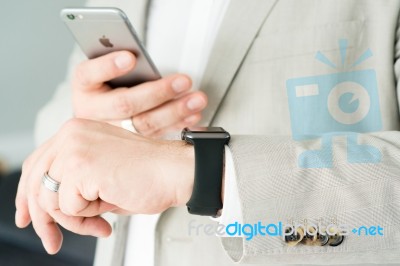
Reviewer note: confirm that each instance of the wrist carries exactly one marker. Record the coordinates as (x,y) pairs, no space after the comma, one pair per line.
(183,174)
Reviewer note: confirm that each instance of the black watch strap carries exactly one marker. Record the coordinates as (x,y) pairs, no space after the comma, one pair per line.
(209,158)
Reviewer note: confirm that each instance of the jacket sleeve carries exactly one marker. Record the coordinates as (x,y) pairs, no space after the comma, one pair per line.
(273,188)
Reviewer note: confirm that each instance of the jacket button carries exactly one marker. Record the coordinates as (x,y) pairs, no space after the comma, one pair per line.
(323,239)
(335,240)
(295,238)
(310,238)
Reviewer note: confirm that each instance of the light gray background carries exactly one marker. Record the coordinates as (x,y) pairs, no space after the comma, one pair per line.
(34,49)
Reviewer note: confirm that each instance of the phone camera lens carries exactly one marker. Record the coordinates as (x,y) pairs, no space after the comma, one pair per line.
(71,16)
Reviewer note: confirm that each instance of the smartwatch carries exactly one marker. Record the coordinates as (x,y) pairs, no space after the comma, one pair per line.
(209,143)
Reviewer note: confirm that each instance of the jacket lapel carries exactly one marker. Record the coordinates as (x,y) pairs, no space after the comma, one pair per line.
(242,22)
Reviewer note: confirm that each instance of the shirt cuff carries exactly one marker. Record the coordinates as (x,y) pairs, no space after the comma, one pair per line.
(232,211)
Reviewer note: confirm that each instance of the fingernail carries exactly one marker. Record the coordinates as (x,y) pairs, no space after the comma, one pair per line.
(180,84)
(123,61)
(195,103)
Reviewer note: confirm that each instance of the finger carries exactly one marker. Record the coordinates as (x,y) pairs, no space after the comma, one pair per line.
(177,128)
(91,75)
(45,227)
(93,226)
(123,212)
(73,203)
(42,222)
(22,216)
(73,198)
(187,122)
(123,103)
(49,203)
(170,113)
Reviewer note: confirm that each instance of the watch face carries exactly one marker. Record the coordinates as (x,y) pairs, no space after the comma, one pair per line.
(192,133)
(206,129)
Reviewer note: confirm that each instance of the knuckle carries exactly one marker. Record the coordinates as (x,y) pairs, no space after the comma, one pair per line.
(42,202)
(77,161)
(157,134)
(160,91)
(80,75)
(73,132)
(72,211)
(164,91)
(65,204)
(66,208)
(144,125)
(180,111)
(123,106)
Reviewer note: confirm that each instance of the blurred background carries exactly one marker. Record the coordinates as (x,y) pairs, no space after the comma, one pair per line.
(35,46)
(34,50)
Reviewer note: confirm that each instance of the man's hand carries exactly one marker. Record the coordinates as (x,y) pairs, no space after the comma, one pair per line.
(101,168)
(155,107)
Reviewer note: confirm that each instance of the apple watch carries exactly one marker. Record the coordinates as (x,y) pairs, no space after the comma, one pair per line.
(209,143)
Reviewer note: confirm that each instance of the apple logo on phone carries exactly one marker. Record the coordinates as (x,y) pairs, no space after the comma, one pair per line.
(106,42)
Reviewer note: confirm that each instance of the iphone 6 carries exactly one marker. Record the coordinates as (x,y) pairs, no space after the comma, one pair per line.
(99,31)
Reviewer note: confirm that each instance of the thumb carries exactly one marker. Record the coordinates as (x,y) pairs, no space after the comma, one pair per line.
(91,74)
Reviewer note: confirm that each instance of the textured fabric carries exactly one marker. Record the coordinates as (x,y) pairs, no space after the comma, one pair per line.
(272,188)
(285,47)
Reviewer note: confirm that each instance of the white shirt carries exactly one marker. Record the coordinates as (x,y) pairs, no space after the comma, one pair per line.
(180,35)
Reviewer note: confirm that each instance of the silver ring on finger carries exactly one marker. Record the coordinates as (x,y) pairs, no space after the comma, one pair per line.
(50,183)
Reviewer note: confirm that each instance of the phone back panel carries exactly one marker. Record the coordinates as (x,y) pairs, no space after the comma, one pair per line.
(99,31)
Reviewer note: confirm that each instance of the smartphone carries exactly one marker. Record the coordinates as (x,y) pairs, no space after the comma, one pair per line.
(99,31)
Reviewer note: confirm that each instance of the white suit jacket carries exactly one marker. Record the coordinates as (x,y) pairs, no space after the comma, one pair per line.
(263,49)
